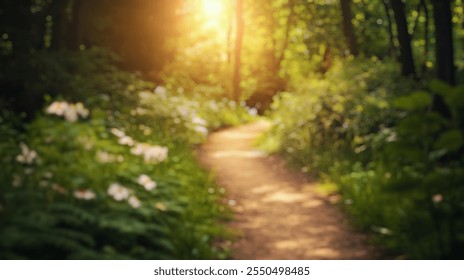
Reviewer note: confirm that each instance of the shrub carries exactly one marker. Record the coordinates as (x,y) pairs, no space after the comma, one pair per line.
(397,163)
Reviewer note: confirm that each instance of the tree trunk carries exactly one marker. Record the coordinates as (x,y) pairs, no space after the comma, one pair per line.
(327,62)
(391,36)
(426,36)
(59,24)
(238,50)
(404,38)
(444,53)
(348,28)
(18,16)
(74,35)
(230,23)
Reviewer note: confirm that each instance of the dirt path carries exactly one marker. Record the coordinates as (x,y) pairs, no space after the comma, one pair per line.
(278,212)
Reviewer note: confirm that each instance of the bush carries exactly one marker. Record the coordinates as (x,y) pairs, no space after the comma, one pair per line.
(110,174)
(397,164)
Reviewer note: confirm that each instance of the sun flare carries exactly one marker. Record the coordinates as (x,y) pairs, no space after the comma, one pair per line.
(213,8)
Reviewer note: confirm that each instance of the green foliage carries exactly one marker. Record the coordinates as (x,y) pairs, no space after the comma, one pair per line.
(114,178)
(342,113)
(397,164)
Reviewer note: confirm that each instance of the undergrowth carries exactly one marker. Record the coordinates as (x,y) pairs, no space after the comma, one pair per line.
(104,168)
(373,137)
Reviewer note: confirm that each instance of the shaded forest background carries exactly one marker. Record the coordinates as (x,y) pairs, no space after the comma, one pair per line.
(366,94)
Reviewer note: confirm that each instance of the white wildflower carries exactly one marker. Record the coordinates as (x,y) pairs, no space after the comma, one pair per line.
(145,94)
(59,189)
(57,108)
(183,111)
(201,129)
(437,198)
(213,106)
(161,91)
(118,133)
(252,111)
(105,157)
(141,111)
(146,182)
(383,230)
(134,202)
(70,114)
(81,110)
(84,194)
(127,141)
(150,153)
(392,137)
(139,149)
(156,154)
(161,206)
(199,121)
(27,155)
(118,192)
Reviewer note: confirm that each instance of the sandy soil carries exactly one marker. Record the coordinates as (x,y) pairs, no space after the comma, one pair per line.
(277,211)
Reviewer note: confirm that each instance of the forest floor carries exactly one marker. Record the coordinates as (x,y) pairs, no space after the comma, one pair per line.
(277,211)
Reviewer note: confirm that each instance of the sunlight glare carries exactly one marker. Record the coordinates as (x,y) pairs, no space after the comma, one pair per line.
(212,8)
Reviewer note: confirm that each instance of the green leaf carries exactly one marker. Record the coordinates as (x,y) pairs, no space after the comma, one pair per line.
(451,140)
(440,87)
(418,100)
(455,98)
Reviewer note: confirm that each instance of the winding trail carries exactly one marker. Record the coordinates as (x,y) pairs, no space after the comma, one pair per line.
(277,211)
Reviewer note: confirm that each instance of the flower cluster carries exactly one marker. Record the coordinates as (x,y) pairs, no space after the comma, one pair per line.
(120,193)
(152,154)
(146,182)
(123,138)
(27,155)
(70,112)
(200,125)
(84,194)
(105,157)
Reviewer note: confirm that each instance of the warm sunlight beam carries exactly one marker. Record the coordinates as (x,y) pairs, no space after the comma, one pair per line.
(213,8)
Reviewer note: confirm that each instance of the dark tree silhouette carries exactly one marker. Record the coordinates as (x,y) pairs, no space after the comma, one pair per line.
(404,38)
(444,53)
(348,28)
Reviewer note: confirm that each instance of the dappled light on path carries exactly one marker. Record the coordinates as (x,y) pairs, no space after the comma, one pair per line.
(277,211)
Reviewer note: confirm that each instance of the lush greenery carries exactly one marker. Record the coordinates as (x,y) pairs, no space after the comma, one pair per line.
(102,103)
(380,123)
(113,176)
(373,137)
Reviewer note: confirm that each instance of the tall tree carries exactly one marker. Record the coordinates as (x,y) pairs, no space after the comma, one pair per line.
(238,50)
(404,38)
(348,28)
(60,24)
(444,53)
(74,35)
(391,36)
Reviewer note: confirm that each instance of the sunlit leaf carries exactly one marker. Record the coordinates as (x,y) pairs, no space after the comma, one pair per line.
(451,140)
(418,100)
(440,87)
